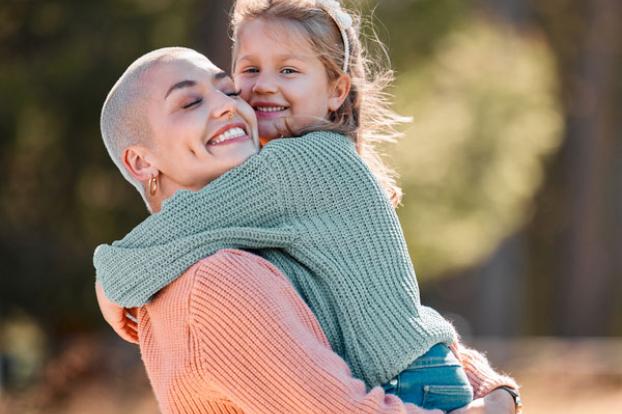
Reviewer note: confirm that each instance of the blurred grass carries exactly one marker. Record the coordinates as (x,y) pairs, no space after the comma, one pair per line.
(98,374)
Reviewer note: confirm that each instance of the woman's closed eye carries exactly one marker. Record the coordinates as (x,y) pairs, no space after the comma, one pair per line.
(234,93)
(193,103)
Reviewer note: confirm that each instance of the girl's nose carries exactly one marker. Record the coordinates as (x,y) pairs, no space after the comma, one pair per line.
(264,84)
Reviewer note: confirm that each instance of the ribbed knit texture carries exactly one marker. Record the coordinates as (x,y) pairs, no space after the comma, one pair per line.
(311,207)
(232,336)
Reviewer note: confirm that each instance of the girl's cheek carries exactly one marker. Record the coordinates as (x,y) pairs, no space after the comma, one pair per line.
(245,86)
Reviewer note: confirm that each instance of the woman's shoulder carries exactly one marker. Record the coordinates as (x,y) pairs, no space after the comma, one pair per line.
(230,262)
(228,272)
(221,278)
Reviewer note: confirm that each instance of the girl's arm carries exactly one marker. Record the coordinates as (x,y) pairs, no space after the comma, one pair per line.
(241,209)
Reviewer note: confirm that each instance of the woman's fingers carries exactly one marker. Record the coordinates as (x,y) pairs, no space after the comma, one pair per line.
(496,402)
(125,332)
(475,407)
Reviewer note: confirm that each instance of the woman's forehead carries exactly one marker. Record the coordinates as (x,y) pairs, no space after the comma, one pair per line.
(185,68)
(196,65)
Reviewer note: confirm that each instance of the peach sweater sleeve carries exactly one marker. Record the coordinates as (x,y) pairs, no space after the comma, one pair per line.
(481,376)
(232,335)
(259,344)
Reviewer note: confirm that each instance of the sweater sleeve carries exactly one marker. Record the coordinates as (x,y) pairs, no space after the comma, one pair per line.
(248,196)
(241,209)
(260,345)
(482,376)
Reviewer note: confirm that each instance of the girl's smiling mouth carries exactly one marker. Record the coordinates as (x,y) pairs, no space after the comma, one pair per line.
(267,110)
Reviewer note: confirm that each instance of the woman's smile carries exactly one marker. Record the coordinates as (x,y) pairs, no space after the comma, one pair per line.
(229,134)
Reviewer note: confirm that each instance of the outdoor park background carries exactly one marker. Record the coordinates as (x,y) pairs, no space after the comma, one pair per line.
(512,171)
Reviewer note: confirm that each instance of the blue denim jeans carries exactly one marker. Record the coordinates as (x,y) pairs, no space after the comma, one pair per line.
(434,380)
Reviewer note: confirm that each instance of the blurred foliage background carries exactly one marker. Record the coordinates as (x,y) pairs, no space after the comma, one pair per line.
(511,170)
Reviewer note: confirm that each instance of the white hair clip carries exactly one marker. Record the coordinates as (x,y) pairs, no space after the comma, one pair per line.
(343,21)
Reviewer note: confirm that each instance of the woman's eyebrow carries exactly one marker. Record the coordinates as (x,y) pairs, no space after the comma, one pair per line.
(190,83)
(180,85)
(221,75)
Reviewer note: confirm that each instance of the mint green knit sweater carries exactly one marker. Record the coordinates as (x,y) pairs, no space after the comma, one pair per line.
(310,206)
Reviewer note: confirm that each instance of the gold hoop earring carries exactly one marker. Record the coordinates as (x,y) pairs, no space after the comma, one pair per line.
(153,185)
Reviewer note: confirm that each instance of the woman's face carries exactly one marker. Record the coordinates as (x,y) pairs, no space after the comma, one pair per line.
(280,76)
(200,127)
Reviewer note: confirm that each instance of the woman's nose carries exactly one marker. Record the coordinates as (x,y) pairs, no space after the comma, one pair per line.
(225,106)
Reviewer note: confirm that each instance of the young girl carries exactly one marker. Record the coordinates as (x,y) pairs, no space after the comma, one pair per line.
(319,207)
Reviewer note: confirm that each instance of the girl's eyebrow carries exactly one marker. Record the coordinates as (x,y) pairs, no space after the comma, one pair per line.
(280,57)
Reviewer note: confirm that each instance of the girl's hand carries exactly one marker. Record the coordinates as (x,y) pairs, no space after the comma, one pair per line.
(122,320)
(496,402)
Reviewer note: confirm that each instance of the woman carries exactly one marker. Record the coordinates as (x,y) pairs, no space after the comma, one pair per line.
(230,334)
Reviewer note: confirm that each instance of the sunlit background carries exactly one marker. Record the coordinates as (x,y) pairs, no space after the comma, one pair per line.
(511,170)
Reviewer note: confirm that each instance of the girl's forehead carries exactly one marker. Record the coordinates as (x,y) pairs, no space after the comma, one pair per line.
(278,32)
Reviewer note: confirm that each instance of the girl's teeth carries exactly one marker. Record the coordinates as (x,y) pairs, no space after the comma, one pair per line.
(228,134)
(270,108)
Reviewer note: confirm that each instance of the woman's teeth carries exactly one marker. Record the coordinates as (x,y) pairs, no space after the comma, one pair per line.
(270,108)
(227,135)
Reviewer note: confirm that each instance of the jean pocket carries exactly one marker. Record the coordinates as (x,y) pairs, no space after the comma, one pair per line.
(446,397)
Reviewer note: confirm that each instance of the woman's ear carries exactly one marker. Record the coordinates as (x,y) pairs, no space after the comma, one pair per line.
(136,161)
(339,92)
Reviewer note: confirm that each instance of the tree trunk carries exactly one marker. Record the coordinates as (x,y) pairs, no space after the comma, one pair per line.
(212,31)
(576,230)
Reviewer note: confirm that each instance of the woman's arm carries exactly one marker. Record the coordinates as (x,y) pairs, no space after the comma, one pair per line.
(262,347)
(489,398)
(482,377)
(243,318)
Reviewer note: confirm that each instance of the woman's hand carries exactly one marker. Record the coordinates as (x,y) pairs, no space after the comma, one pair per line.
(122,320)
(496,402)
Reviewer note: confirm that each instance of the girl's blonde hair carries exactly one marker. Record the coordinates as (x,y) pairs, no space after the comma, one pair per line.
(365,116)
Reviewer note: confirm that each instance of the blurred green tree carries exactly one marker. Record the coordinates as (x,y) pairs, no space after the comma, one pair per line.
(60,195)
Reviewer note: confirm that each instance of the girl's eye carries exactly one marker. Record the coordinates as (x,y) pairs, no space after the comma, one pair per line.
(193,103)
(288,71)
(250,70)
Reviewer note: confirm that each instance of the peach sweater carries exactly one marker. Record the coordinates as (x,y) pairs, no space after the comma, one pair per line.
(231,335)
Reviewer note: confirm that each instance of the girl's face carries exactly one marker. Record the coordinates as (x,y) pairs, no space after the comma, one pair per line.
(282,78)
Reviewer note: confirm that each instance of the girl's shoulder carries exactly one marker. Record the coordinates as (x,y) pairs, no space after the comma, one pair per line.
(313,144)
(322,155)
